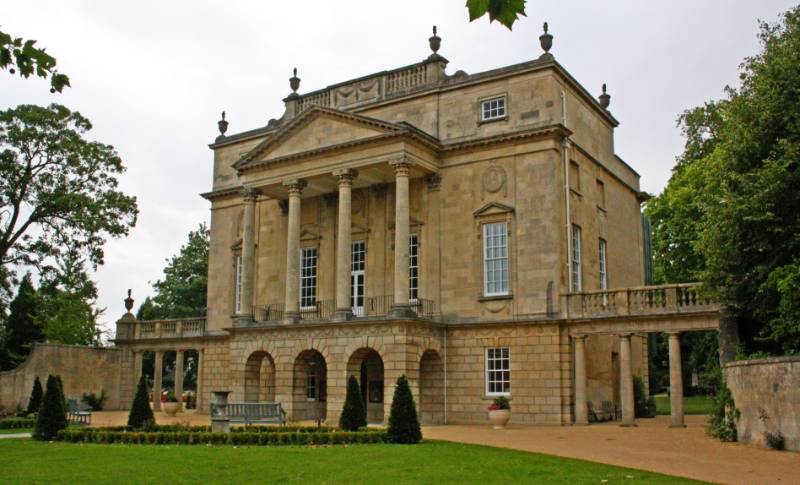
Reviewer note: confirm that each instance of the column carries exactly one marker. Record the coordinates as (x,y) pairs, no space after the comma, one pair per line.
(137,367)
(344,244)
(626,380)
(675,382)
(400,308)
(179,378)
(581,404)
(200,402)
(249,197)
(292,302)
(157,367)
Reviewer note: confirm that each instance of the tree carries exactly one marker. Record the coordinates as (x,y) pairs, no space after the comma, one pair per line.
(353,415)
(403,420)
(22,330)
(141,416)
(56,187)
(504,11)
(17,53)
(52,416)
(182,292)
(731,211)
(35,401)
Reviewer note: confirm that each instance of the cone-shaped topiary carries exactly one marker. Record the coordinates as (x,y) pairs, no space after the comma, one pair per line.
(403,421)
(354,415)
(51,418)
(35,401)
(141,416)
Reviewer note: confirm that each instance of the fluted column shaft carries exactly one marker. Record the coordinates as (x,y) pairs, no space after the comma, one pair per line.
(157,368)
(401,234)
(626,380)
(292,302)
(248,253)
(581,404)
(137,367)
(675,382)
(179,378)
(344,244)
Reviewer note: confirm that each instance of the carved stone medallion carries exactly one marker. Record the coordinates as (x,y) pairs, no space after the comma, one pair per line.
(494,178)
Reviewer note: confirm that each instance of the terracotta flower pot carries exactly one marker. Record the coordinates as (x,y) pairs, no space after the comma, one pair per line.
(171,408)
(499,418)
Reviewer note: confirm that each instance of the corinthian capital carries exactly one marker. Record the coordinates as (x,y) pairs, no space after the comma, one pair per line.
(295,186)
(345,175)
(401,166)
(249,194)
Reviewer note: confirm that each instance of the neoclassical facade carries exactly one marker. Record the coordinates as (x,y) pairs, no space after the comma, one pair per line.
(475,232)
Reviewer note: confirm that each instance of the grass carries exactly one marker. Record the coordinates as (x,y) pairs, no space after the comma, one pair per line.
(691,404)
(16,430)
(27,461)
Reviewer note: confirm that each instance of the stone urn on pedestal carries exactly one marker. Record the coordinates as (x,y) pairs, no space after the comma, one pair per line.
(500,412)
(172,405)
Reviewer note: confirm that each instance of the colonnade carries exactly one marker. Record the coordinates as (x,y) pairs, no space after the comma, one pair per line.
(158,370)
(626,381)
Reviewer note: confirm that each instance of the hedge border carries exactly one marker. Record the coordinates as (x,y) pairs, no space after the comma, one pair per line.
(17,423)
(176,428)
(277,438)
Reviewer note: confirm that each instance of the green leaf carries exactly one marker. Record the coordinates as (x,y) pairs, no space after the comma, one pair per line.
(477,8)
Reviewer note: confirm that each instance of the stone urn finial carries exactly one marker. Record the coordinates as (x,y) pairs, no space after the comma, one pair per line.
(294,81)
(435,41)
(129,302)
(605,98)
(546,40)
(222,124)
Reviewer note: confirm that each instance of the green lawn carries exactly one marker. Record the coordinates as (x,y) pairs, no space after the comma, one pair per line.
(27,461)
(691,405)
(16,430)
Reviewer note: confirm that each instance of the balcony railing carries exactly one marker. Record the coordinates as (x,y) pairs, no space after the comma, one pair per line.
(374,306)
(641,300)
(171,328)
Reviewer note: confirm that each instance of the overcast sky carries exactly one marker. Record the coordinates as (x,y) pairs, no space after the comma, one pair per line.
(153,78)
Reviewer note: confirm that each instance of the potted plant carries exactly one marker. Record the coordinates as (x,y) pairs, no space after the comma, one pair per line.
(500,412)
(171,405)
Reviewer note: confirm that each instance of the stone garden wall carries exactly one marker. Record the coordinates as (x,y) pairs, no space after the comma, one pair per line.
(82,370)
(767,393)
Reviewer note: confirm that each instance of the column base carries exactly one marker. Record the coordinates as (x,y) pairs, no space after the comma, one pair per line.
(291,317)
(402,311)
(580,424)
(243,320)
(342,315)
(676,425)
(632,425)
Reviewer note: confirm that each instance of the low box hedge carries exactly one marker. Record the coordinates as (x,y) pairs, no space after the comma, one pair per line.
(256,438)
(169,428)
(17,423)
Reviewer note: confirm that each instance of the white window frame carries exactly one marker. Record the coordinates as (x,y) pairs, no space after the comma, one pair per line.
(311,384)
(577,283)
(493,109)
(495,259)
(358,267)
(413,268)
(491,375)
(603,263)
(237,285)
(308,281)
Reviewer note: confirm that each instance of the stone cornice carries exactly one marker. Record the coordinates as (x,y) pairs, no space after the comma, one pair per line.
(221,193)
(557,130)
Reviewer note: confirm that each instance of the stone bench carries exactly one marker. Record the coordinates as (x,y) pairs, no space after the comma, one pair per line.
(250,412)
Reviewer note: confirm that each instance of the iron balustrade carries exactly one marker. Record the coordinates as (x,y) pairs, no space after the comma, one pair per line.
(374,306)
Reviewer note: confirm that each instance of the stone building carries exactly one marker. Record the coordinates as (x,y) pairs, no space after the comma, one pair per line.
(465,230)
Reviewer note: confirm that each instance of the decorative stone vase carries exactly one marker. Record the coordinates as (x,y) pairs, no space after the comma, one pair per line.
(171,407)
(499,418)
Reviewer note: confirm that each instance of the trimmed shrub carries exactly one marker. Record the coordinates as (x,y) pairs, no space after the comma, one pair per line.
(52,416)
(353,415)
(94,401)
(35,401)
(17,423)
(141,416)
(403,420)
(722,421)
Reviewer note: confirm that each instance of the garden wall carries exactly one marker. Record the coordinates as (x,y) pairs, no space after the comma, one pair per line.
(82,370)
(767,393)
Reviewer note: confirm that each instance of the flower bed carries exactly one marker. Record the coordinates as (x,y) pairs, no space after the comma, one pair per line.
(17,423)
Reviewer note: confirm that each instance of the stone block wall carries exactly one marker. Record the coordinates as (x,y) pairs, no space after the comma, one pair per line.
(767,393)
(82,370)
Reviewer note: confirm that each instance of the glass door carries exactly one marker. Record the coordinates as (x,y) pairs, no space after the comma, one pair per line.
(357,266)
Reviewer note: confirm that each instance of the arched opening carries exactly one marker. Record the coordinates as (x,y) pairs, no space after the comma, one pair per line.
(259,378)
(310,389)
(431,388)
(366,364)
(191,359)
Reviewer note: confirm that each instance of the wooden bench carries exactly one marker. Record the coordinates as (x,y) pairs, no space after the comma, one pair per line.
(251,412)
(76,415)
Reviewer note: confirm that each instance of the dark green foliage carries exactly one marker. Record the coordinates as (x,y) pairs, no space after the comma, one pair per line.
(500,402)
(17,54)
(94,401)
(35,401)
(722,421)
(141,416)
(354,415)
(17,423)
(21,328)
(403,422)
(52,416)
(642,404)
(182,292)
(504,11)
(776,441)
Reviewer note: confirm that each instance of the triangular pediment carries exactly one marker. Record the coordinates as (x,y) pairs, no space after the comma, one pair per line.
(318,128)
(493,208)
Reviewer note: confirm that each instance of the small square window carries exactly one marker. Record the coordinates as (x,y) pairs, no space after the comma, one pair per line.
(498,371)
(493,109)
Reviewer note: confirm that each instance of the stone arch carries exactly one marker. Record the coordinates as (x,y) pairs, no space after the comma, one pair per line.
(366,364)
(259,377)
(310,386)
(431,387)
